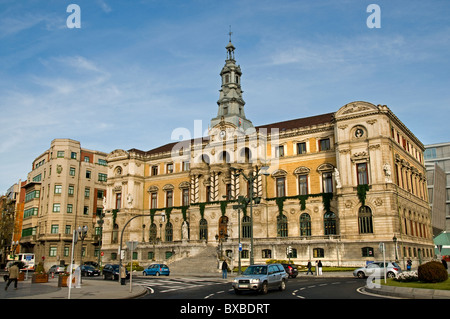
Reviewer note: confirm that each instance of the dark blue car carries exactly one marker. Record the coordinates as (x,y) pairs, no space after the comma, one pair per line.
(156,270)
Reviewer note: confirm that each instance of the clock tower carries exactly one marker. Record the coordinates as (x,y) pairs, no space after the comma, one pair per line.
(230,115)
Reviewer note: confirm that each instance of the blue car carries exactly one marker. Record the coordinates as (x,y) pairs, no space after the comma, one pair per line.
(156,270)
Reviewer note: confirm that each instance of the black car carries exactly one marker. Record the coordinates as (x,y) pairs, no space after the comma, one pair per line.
(112,272)
(87,270)
(291,270)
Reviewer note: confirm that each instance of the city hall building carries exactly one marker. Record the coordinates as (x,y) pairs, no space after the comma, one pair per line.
(330,187)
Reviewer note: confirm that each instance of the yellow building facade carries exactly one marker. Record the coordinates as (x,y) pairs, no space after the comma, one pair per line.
(330,187)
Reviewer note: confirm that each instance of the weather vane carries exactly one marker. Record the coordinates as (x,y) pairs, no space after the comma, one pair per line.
(230,33)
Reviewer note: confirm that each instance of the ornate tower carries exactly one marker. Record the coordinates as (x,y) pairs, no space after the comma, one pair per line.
(231,104)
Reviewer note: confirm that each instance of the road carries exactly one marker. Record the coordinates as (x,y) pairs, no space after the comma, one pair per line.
(297,288)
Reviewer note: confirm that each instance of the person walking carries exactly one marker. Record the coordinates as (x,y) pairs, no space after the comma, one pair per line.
(13,276)
(319,265)
(309,266)
(408,264)
(224,269)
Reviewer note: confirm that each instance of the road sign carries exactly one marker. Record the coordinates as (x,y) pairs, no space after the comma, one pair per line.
(240,247)
(381,246)
(132,245)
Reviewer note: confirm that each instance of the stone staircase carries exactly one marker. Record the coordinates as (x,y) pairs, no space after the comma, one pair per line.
(205,262)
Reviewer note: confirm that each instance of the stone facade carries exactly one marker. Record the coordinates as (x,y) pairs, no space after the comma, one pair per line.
(335,186)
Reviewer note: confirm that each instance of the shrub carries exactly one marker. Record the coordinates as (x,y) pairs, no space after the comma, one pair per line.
(432,271)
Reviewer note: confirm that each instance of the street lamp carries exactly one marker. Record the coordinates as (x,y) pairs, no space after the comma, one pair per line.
(394,239)
(250,179)
(82,233)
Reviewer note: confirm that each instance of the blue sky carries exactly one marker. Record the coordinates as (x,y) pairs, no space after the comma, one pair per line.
(137,70)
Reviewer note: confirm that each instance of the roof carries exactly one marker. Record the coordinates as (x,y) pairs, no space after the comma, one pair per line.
(284,125)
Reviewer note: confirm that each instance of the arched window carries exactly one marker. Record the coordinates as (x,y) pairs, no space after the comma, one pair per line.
(203,229)
(329,221)
(169,231)
(152,233)
(305,225)
(282,226)
(365,220)
(246,227)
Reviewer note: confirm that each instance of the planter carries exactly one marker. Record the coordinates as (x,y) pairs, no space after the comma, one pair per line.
(39,278)
(63,280)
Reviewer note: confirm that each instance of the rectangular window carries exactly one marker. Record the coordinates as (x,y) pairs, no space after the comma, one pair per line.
(54,229)
(154,170)
(102,162)
(327,180)
(73,155)
(72,171)
(87,192)
(363,176)
(66,251)
(53,251)
(86,210)
(69,208)
(154,200)
(87,159)
(301,148)
(279,151)
(303,184)
(71,190)
(56,208)
(60,154)
(88,174)
(100,193)
(185,196)
(118,200)
(281,190)
(58,189)
(102,177)
(169,198)
(324,144)
(186,166)
(169,168)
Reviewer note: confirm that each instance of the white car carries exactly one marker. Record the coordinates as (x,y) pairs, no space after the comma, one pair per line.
(377,269)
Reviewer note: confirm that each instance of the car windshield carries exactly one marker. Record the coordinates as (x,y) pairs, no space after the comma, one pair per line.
(255,270)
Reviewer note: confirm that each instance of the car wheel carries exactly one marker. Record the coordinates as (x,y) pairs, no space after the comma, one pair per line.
(390,274)
(265,288)
(361,275)
(104,277)
(294,276)
(144,273)
(157,274)
(282,285)
(237,291)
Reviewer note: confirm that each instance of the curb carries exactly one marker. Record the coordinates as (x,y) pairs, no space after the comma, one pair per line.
(409,293)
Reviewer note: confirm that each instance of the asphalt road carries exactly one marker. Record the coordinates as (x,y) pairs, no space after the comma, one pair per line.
(297,288)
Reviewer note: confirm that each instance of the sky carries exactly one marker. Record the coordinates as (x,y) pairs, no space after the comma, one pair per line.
(134,71)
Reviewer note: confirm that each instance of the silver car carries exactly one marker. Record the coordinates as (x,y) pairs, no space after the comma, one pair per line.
(261,278)
(377,269)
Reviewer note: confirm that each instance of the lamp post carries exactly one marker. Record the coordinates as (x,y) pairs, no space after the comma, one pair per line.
(250,179)
(394,239)
(82,233)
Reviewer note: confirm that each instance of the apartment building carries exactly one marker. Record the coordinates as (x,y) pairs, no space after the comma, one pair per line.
(64,191)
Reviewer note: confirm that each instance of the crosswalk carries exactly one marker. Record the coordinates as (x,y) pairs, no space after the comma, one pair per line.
(163,285)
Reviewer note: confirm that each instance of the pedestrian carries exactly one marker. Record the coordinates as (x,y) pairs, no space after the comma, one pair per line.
(309,266)
(319,265)
(408,264)
(13,275)
(444,262)
(123,275)
(224,269)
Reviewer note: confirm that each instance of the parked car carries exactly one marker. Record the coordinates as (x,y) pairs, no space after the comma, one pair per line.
(112,272)
(56,269)
(156,270)
(291,270)
(91,263)
(377,269)
(261,278)
(87,270)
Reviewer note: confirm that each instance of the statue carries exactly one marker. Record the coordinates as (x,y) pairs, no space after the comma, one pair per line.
(184,231)
(337,178)
(129,200)
(387,173)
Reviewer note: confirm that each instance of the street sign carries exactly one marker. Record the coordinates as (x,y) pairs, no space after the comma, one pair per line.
(381,247)
(240,247)
(132,245)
